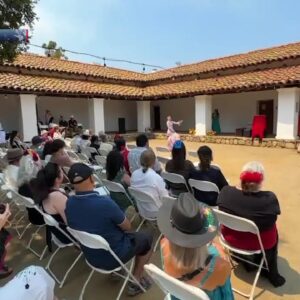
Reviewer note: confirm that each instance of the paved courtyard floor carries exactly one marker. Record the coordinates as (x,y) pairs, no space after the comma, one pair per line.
(282,177)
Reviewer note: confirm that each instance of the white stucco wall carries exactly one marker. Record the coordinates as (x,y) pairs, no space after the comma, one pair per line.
(10,112)
(114,109)
(237,110)
(66,107)
(179,109)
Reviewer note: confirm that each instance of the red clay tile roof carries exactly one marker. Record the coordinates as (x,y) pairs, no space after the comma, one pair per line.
(259,80)
(35,62)
(240,60)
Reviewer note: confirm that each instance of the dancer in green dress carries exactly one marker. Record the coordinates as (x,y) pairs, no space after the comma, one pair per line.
(216,122)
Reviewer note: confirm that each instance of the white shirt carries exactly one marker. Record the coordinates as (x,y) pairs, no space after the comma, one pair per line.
(33,283)
(11,173)
(134,159)
(152,184)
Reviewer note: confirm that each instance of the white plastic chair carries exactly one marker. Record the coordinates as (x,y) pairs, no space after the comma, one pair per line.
(193,154)
(118,188)
(175,179)
(145,203)
(73,155)
(94,241)
(172,286)
(83,158)
(242,225)
(101,161)
(50,221)
(163,151)
(89,151)
(162,160)
(204,186)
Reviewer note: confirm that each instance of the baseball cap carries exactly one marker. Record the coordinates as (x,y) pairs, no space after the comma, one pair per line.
(79,172)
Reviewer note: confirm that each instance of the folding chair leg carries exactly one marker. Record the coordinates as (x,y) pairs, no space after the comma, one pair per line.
(141,224)
(17,224)
(85,284)
(251,295)
(69,270)
(28,246)
(24,230)
(157,242)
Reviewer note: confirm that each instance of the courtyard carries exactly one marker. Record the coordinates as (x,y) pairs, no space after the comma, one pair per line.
(282,167)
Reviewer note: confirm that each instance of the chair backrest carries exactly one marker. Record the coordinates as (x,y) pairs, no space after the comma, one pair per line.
(193,154)
(131,146)
(167,199)
(21,200)
(162,159)
(204,186)
(235,222)
(93,241)
(173,178)
(101,160)
(114,186)
(104,152)
(73,155)
(173,286)
(147,205)
(83,157)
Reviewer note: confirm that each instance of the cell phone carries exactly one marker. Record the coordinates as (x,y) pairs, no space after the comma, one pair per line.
(2,208)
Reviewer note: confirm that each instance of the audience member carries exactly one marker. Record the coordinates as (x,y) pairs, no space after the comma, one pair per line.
(48,195)
(179,165)
(210,173)
(59,155)
(47,151)
(134,156)
(62,122)
(104,145)
(121,147)
(262,207)
(85,140)
(115,172)
(188,253)
(48,117)
(37,145)
(95,143)
(11,172)
(5,238)
(33,283)
(147,180)
(76,140)
(72,123)
(15,141)
(90,212)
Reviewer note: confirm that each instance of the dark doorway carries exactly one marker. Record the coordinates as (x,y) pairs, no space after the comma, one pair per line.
(122,125)
(157,118)
(266,108)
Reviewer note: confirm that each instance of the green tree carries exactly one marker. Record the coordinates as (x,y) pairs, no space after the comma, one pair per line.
(52,50)
(13,15)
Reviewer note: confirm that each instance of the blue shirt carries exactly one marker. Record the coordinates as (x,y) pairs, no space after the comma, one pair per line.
(92,213)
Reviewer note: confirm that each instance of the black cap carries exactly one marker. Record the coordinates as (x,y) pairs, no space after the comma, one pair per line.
(36,140)
(79,172)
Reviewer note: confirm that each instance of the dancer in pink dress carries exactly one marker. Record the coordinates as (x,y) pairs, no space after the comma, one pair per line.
(170,125)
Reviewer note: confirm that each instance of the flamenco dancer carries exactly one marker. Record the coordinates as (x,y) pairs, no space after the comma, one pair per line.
(171,133)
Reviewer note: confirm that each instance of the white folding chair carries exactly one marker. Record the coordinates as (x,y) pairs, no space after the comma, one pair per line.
(50,221)
(89,151)
(167,198)
(193,154)
(175,179)
(118,188)
(242,225)
(162,160)
(101,161)
(73,155)
(204,186)
(94,241)
(83,158)
(174,287)
(145,204)
(105,148)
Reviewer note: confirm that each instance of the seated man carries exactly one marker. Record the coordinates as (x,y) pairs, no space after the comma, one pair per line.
(88,211)
(134,157)
(72,123)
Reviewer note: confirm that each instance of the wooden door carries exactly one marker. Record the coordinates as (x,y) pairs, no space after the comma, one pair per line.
(266,108)
(157,118)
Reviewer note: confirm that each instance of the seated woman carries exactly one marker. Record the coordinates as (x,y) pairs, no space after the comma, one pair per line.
(15,141)
(121,147)
(179,165)
(262,207)
(188,253)
(206,172)
(47,193)
(148,181)
(115,172)
(58,154)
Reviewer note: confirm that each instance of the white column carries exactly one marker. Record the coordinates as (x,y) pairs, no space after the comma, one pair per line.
(96,115)
(287,116)
(143,115)
(28,116)
(203,111)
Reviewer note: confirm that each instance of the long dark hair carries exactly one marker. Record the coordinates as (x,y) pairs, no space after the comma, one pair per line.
(178,157)
(205,157)
(47,149)
(120,144)
(114,163)
(44,181)
(13,134)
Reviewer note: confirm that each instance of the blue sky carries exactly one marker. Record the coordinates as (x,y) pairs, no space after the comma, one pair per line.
(163,32)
